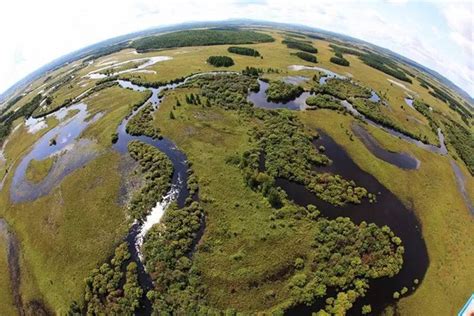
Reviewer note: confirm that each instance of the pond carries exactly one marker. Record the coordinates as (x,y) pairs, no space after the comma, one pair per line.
(71,153)
(260,99)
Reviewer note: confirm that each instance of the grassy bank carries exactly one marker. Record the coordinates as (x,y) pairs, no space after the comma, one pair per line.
(37,170)
(7,306)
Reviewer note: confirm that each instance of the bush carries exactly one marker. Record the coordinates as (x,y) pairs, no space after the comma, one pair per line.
(339,60)
(220,61)
(200,38)
(323,101)
(306,56)
(279,91)
(243,51)
(300,45)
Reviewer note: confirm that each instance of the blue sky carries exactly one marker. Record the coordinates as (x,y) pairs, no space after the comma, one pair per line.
(437,34)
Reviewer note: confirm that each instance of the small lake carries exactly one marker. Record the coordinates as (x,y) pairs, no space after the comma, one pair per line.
(71,154)
(409,102)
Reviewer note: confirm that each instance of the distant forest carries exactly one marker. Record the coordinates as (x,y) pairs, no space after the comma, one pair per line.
(200,38)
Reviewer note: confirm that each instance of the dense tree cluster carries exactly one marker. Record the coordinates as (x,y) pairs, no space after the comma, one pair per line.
(339,60)
(7,118)
(323,101)
(167,251)
(200,38)
(220,61)
(385,65)
(344,89)
(463,141)
(280,91)
(300,45)
(226,90)
(306,56)
(112,288)
(247,51)
(345,257)
(142,123)
(157,170)
(252,71)
(426,111)
(345,50)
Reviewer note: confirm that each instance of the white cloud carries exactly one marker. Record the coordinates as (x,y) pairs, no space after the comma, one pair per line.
(460,19)
(35,32)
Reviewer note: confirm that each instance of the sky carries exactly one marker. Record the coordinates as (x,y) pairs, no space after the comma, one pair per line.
(437,34)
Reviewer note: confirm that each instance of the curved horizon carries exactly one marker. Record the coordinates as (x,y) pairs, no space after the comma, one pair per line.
(427,33)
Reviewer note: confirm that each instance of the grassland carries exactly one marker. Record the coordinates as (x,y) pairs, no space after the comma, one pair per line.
(37,170)
(7,306)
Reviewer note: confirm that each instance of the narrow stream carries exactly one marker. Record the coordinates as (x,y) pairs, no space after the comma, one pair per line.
(461,181)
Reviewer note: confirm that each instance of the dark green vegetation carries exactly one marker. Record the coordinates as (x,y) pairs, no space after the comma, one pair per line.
(168,255)
(324,101)
(112,288)
(339,61)
(385,65)
(279,91)
(425,110)
(243,51)
(345,50)
(230,91)
(373,60)
(220,61)
(343,89)
(7,118)
(157,171)
(346,256)
(306,56)
(300,45)
(200,38)
(463,141)
(141,123)
(290,154)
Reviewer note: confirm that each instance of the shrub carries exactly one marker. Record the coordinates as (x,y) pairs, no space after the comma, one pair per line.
(243,51)
(220,61)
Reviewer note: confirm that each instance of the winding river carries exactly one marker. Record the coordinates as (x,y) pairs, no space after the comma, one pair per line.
(389,210)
